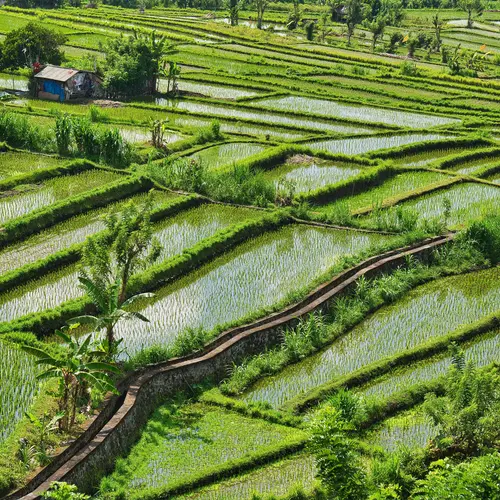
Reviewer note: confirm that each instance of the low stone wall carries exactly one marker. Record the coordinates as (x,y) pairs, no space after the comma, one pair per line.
(115,430)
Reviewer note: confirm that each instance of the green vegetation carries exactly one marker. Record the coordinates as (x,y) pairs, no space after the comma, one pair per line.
(283,143)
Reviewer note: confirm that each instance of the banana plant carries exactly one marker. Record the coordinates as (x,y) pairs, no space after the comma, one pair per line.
(79,368)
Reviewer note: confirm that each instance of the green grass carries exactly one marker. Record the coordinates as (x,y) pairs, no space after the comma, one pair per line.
(429,311)
(180,444)
(25,199)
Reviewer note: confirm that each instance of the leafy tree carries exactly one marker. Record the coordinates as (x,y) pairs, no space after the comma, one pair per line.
(295,16)
(77,368)
(353,16)
(133,64)
(234,8)
(29,44)
(336,10)
(338,461)
(324,28)
(475,480)
(261,6)
(471,7)
(468,416)
(438,25)
(110,259)
(376,28)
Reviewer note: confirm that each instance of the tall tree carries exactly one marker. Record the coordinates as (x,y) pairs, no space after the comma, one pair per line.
(376,28)
(29,44)
(472,7)
(261,6)
(353,14)
(438,25)
(133,64)
(234,8)
(110,259)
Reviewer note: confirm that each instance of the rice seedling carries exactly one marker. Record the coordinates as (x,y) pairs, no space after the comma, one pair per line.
(428,311)
(467,201)
(44,293)
(276,479)
(312,175)
(13,82)
(361,113)
(481,352)
(63,235)
(25,199)
(261,116)
(184,230)
(411,429)
(19,386)
(240,128)
(396,185)
(256,275)
(359,145)
(179,444)
(215,91)
(422,159)
(225,154)
(13,163)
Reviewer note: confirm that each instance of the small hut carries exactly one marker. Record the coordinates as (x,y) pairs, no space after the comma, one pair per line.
(61,84)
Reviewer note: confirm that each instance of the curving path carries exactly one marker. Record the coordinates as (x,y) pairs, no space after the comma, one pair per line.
(116,428)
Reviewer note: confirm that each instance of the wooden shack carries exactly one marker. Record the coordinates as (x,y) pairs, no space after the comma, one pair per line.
(62,84)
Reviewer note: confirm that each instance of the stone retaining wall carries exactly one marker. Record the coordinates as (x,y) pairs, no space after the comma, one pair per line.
(114,431)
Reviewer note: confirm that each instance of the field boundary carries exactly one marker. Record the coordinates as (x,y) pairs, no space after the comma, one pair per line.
(116,428)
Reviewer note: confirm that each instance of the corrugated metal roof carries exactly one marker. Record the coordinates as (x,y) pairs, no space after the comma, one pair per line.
(57,73)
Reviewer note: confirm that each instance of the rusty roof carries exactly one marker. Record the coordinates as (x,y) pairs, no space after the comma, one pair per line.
(57,73)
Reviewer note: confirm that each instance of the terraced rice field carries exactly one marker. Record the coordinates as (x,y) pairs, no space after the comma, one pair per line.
(314,174)
(362,145)
(408,430)
(429,311)
(397,185)
(362,113)
(274,479)
(32,197)
(12,164)
(227,154)
(481,353)
(19,386)
(245,280)
(207,436)
(468,202)
(310,115)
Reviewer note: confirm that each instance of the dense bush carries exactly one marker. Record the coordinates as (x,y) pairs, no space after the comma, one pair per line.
(29,44)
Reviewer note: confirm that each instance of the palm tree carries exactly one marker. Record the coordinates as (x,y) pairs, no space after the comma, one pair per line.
(78,368)
(111,310)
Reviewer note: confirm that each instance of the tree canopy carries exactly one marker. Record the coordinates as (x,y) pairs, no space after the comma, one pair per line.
(29,44)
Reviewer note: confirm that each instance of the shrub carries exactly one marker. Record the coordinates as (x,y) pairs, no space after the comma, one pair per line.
(63,134)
